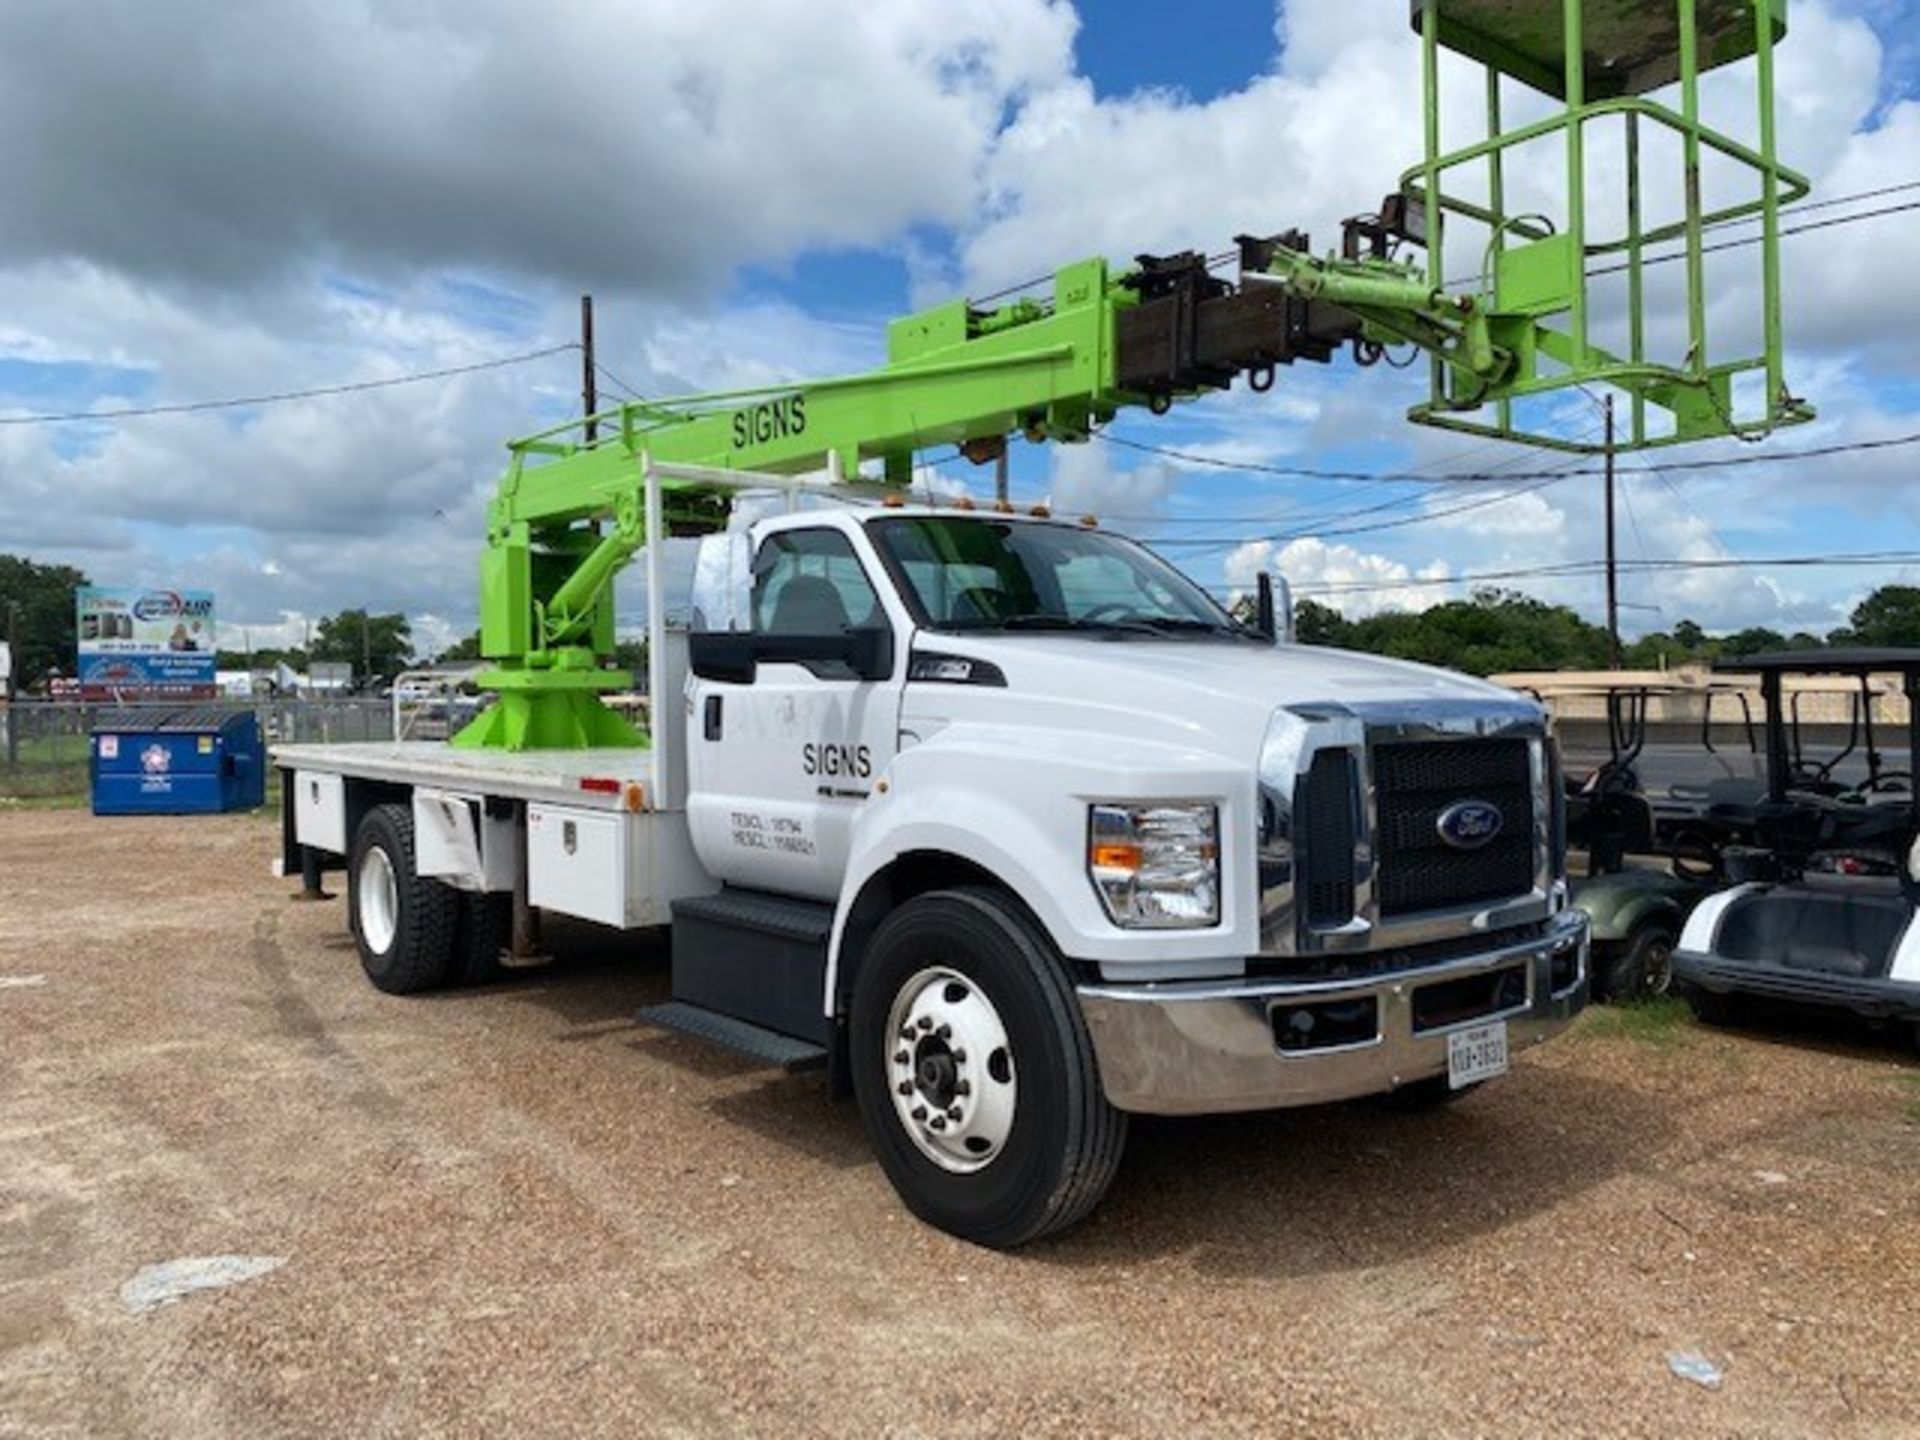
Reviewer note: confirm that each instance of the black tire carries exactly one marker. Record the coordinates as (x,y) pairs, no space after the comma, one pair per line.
(1433,1093)
(1064,1141)
(484,930)
(425,912)
(1640,969)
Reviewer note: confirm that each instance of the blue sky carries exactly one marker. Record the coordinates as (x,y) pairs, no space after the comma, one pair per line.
(760,220)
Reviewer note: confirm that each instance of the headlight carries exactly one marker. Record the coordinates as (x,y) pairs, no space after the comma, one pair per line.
(1157,867)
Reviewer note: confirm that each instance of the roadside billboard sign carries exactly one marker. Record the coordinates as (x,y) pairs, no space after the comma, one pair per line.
(145,642)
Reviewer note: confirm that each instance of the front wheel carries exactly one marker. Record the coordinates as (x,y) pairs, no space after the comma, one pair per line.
(975,1073)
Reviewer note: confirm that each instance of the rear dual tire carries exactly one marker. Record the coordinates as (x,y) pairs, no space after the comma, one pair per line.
(413,932)
(975,1073)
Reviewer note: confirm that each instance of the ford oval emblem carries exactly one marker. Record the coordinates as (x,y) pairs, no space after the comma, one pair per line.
(1470,824)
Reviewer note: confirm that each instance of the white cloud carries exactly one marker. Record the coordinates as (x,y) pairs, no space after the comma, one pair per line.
(350,192)
(1086,482)
(642,144)
(1355,582)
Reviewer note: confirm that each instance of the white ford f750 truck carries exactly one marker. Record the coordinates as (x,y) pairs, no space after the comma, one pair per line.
(1008,824)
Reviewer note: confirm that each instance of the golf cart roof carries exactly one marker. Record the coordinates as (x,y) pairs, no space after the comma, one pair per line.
(1859,661)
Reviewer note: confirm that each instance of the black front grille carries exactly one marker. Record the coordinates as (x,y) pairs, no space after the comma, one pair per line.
(1414,784)
(1326,837)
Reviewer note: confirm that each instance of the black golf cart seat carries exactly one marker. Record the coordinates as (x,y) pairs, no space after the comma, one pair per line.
(1834,924)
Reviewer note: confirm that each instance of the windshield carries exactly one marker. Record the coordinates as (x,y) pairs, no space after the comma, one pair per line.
(981,573)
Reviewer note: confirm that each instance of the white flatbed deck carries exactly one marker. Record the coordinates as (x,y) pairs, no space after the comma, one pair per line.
(523,775)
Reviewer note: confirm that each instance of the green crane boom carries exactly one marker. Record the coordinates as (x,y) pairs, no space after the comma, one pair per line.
(569,512)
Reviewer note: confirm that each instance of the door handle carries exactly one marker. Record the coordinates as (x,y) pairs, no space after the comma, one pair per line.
(711,720)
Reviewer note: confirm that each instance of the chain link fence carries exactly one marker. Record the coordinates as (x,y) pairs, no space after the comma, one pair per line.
(44,744)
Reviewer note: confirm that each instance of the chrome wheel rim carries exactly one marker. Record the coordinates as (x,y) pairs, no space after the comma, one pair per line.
(949,1069)
(378,898)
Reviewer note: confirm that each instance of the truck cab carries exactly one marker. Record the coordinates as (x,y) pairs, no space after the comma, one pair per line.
(1011,826)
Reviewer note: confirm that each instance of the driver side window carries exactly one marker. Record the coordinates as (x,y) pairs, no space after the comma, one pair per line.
(810,582)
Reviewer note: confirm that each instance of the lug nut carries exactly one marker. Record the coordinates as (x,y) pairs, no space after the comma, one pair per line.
(945,1032)
(919,1112)
(905,1087)
(953,1114)
(963,1087)
(939,1122)
(900,1057)
(906,1032)
(959,1057)
(926,1023)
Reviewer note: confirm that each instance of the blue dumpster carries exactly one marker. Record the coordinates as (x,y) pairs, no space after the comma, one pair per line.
(192,760)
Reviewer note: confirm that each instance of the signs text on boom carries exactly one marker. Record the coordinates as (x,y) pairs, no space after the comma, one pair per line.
(770,420)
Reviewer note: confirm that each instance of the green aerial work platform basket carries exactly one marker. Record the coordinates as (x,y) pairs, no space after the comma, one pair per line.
(1542,276)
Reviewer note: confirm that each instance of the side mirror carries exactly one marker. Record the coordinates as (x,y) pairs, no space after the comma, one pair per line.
(1274,613)
(725,655)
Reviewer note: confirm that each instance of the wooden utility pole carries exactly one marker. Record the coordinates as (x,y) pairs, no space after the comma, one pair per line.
(1000,475)
(1613,558)
(589,393)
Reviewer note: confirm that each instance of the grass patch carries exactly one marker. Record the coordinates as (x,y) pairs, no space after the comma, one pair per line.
(1663,1022)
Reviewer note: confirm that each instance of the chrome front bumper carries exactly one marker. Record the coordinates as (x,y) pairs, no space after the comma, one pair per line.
(1180,1048)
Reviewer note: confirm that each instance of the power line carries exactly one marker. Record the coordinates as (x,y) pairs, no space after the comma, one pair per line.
(1401,522)
(1574,568)
(1378,477)
(278,397)
(619,384)
(1214,262)
(1746,240)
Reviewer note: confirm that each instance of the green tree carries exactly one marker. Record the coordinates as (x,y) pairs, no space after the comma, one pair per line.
(374,645)
(1689,635)
(1317,624)
(1496,632)
(44,625)
(1889,616)
(1756,641)
(466,648)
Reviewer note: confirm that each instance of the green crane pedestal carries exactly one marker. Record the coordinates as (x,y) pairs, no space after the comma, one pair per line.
(551,710)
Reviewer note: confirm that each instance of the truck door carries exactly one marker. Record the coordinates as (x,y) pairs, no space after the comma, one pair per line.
(779,765)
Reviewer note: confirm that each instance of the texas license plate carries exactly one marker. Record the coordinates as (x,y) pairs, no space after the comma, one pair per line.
(1477,1054)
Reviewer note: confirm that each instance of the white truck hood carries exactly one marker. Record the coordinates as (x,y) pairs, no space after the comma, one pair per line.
(1210,695)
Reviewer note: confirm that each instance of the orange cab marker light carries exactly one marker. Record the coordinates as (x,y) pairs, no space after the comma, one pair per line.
(1041,512)
(1116,857)
(634,797)
(1090,521)
(893,502)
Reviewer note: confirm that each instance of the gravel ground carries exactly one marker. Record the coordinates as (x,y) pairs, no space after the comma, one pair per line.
(511,1211)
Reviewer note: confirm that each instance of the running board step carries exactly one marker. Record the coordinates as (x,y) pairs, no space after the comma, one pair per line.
(756,1042)
(756,957)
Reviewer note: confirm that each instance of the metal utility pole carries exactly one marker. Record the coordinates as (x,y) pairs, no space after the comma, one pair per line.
(1613,558)
(366,646)
(589,393)
(1000,476)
